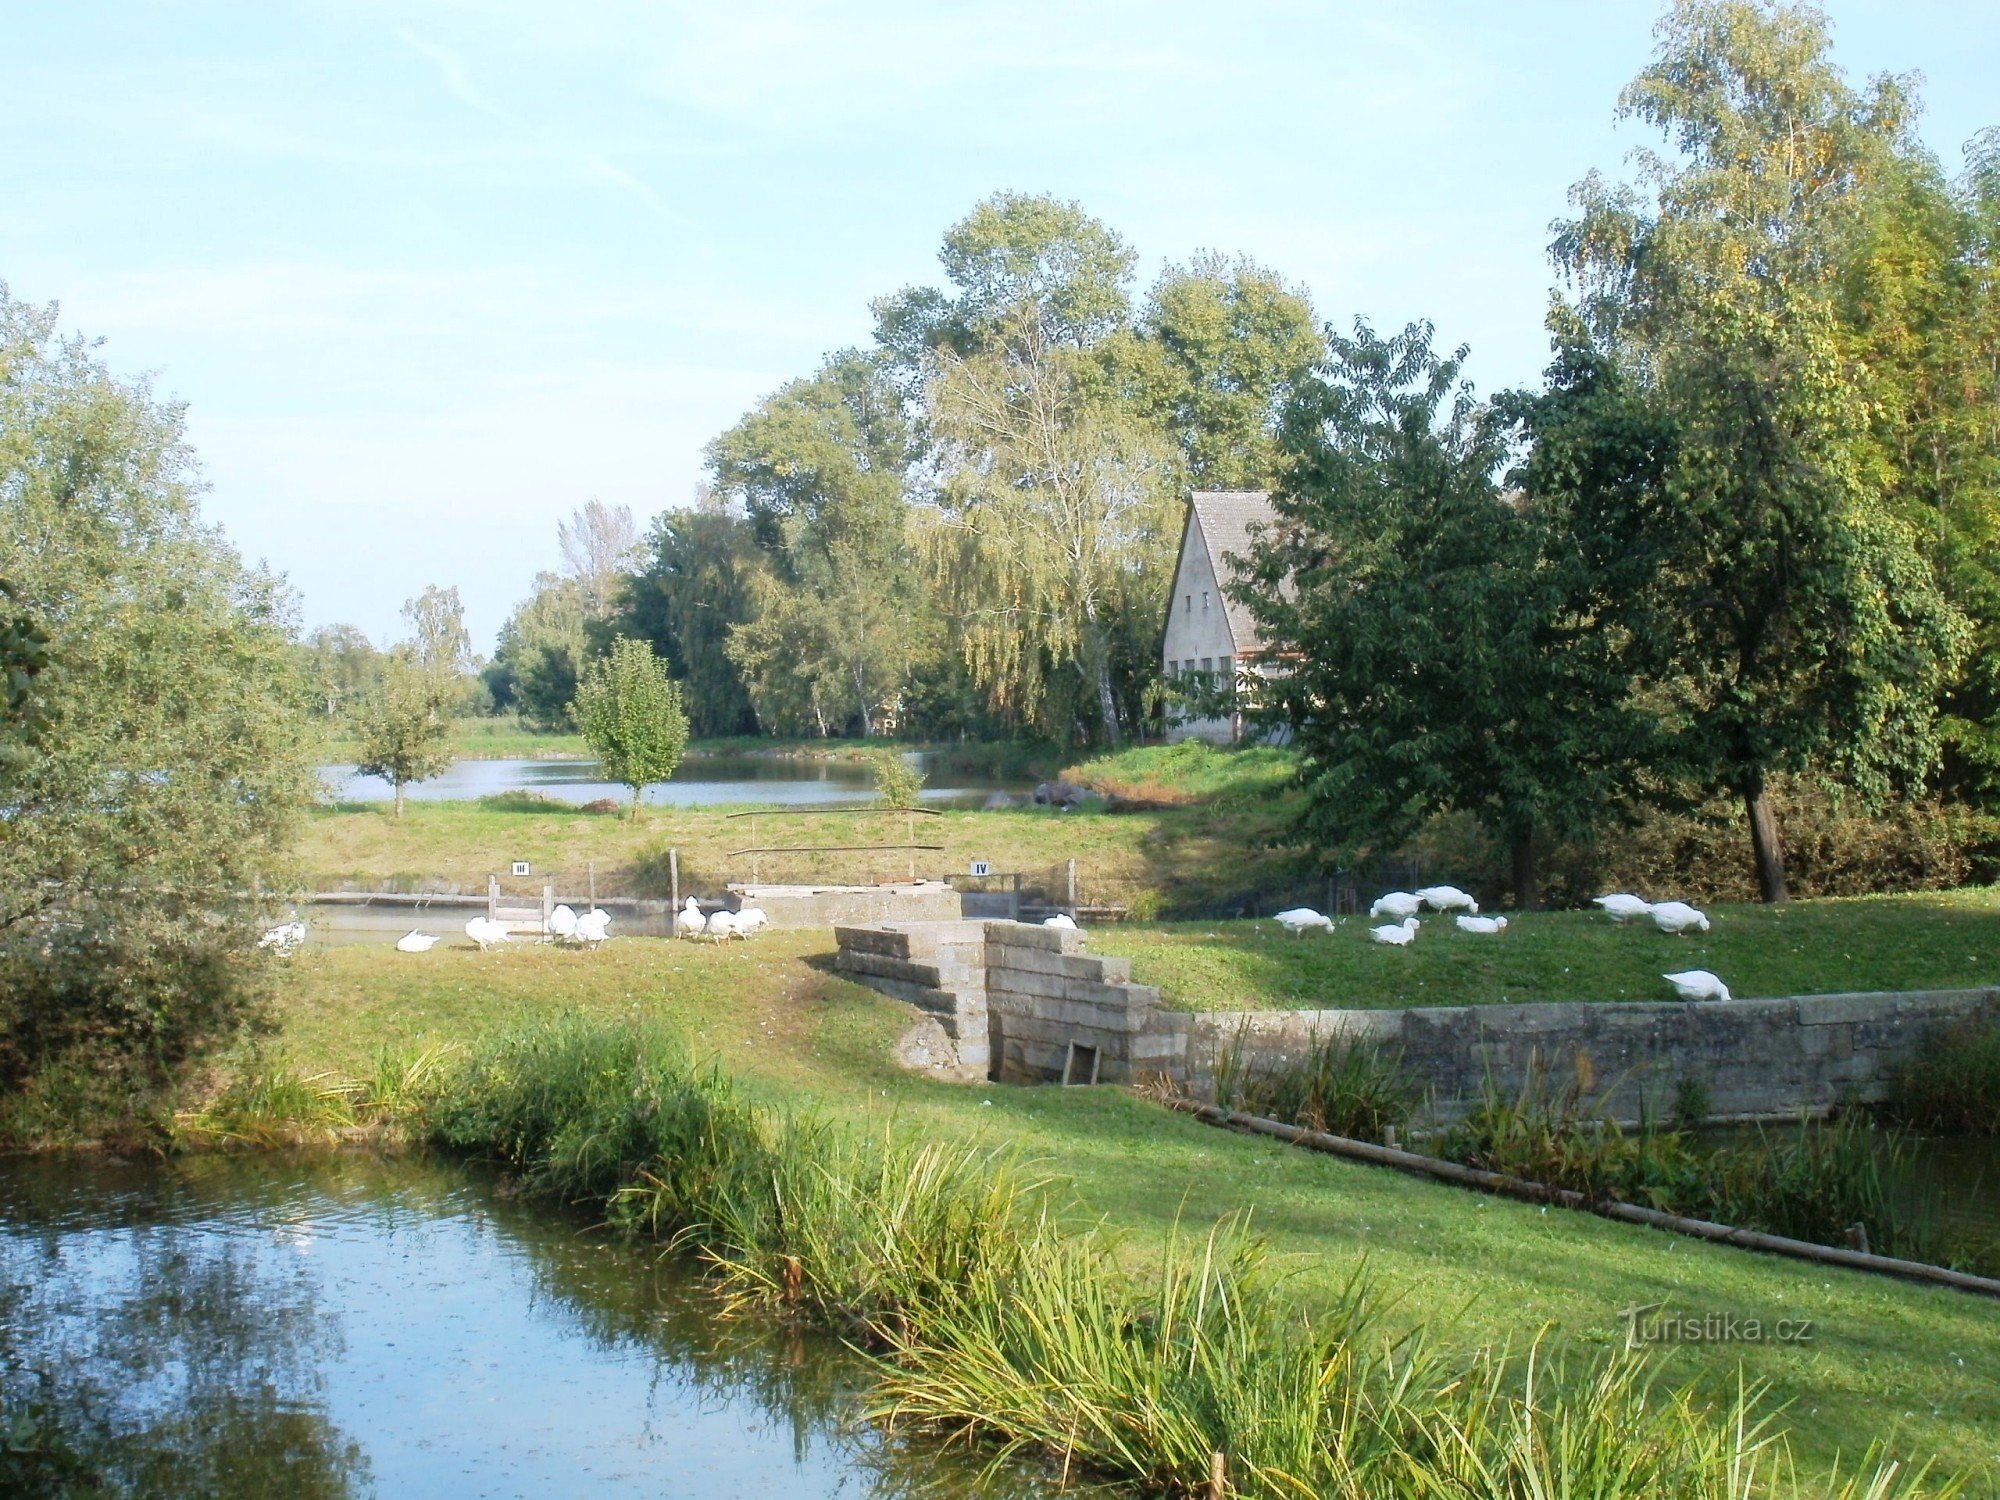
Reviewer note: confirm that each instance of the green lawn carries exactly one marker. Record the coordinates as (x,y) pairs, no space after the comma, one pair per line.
(1919,1365)
(1940,940)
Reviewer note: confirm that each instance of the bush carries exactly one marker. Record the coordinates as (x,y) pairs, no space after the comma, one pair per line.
(1344,1085)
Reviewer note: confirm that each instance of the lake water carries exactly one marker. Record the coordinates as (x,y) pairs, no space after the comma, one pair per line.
(287,1326)
(700,781)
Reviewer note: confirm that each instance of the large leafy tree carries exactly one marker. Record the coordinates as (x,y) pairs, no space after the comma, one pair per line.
(629,710)
(174,762)
(1798,621)
(1445,643)
(836,629)
(693,589)
(540,653)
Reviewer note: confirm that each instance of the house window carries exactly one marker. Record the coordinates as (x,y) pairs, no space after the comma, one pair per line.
(1190,604)
(1188,665)
(1208,664)
(1204,601)
(1229,674)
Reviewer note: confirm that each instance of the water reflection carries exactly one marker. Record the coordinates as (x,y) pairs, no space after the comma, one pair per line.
(278,1327)
(700,781)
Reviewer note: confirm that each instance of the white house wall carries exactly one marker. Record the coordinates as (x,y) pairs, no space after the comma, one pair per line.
(1197,631)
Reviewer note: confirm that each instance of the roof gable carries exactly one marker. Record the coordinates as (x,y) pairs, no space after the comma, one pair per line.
(1223,519)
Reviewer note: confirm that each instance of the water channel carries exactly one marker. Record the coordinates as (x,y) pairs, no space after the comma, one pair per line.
(699,781)
(305,1326)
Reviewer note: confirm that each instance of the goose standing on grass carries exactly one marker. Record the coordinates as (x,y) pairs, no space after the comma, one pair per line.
(1063,920)
(1678,917)
(562,923)
(1303,919)
(486,932)
(1401,935)
(688,921)
(1484,925)
(1623,907)
(751,920)
(1397,904)
(593,927)
(416,942)
(723,926)
(1697,984)
(285,937)
(1448,898)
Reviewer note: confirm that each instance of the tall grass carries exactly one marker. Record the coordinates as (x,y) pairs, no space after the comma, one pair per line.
(1952,1084)
(1343,1084)
(992,1322)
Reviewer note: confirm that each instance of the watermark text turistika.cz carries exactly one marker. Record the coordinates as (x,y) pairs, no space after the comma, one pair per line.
(1651,1323)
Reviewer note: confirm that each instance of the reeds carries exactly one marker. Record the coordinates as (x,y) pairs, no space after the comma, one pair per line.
(1952,1084)
(1345,1085)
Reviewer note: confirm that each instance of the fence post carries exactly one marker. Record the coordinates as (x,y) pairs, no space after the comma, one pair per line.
(674,875)
(590,874)
(548,903)
(1072,888)
(492,898)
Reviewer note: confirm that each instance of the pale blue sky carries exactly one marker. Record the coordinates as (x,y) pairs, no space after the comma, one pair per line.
(431,274)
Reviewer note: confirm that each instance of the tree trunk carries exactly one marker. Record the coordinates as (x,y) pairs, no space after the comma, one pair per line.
(399,801)
(1527,891)
(1765,843)
(1097,665)
(633,815)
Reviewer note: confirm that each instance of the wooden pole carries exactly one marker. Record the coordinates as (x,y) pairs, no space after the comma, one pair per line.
(492,898)
(1072,889)
(674,875)
(590,868)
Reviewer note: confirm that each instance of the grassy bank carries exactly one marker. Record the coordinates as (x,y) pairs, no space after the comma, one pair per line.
(1940,940)
(995,1322)
(1185,856)
(1924,1363)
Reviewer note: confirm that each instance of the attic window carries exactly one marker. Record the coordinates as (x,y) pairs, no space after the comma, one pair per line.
(1204,601)
(1190,603)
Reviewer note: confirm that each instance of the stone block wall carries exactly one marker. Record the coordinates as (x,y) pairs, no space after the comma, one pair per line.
(1018,1000)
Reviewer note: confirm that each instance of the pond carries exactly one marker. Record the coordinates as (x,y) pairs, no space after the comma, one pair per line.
(291,1326)
(699,781)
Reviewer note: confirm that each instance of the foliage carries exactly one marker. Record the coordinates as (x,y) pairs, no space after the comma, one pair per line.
(697,584)
(897,781)
(1952,1084)
(1792,616)
(404,732)
(629,710)
(1441,646)
(600,545)
(343,668)
(539,657)
(1343,1084)
(174,765)
(837,622)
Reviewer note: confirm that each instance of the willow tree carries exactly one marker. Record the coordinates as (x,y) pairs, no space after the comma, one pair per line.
(1798,623)
(1054,521)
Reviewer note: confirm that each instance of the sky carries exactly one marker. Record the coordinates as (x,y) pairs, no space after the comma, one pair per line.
(430,275)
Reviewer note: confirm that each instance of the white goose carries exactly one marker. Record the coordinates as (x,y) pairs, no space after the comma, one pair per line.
(1401,935)
(562,923)
(1624,906)
(1678,917)
(416,942)
(723,926)
(593,927)
(1448,898)
(688,921)
(751,920)
(1397,904)
(1063,920)
(486,932)
(285,937)
(1485,925)
(1303,919)
(1697,984)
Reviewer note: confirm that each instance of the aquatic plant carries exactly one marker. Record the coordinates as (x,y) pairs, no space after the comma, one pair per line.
(1952,1084)
(1346,1085)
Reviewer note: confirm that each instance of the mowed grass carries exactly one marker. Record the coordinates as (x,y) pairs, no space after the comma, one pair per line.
(1934,940)
(1918,1366)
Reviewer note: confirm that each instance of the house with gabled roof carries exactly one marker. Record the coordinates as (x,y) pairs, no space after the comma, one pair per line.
(1207,632)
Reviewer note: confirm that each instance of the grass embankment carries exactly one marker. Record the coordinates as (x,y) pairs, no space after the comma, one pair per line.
(1188,857)
(1919,1366)
(996,1322)
(1934,940)
(1191,771)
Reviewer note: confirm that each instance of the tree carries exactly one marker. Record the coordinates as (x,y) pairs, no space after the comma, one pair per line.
(819,469)
(1054,521)
(343,666)
(405,729)
(174,767)
(539,657)
(694,589)
(600,546)
(1219,348)
(1441,649)
(630,713)
(1798,622)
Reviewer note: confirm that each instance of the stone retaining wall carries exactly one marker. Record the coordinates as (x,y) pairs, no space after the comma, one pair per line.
(1026,1004)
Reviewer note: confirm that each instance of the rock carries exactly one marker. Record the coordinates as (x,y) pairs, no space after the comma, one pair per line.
(1067,795)
(603,805)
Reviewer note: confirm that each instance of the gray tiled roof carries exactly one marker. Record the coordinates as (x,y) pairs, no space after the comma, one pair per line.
(1225,517)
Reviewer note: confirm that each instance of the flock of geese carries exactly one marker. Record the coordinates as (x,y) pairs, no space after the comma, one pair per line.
(1673,917)
(719,926)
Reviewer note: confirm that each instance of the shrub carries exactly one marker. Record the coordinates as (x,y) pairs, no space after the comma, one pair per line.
(1343,1085)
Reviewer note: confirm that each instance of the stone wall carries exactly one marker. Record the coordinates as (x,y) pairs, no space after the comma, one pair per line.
(1027,1004)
